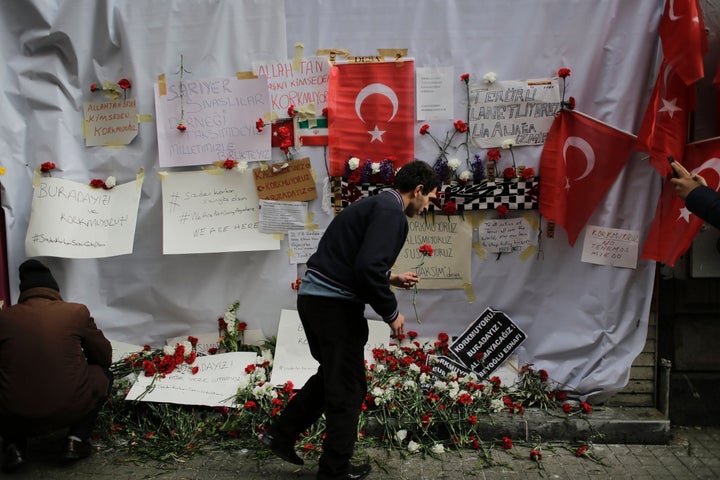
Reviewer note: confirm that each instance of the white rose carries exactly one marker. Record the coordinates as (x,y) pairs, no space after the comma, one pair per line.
(413,447)
(375,167)
(400,435)
(453,163)
(465,175)
(508,143)
(437,448)
(110,182)
(241,166)
(489,78)
(353,163)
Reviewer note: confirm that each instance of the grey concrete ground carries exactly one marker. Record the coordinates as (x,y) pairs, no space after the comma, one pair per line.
(690,453)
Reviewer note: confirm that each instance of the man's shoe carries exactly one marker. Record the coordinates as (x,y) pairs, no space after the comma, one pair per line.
(75,450)
(286,452)
(356,472)
(13,458)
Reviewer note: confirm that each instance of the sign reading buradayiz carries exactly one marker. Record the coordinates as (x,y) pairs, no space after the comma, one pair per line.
(487,342)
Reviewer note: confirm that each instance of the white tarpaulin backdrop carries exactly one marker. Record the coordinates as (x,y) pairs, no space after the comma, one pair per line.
(585,323)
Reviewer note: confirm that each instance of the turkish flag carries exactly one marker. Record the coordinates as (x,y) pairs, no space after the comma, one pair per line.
(664,128)
(371,113)
(674,226)
(578,165)
(684,42)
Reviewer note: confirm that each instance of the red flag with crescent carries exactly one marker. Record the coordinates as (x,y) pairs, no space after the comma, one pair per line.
(580,160)
(664,128)
(674,226)
(371,113)
(683,37)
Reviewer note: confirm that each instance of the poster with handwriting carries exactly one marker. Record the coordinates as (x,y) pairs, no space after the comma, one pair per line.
(219,116)
(300,83)
(504,235)
(74,220)
(293,361)
(303,243)
(110,123)
(521,110)
(205,212)
(451,239)
(610,246)
(215,384)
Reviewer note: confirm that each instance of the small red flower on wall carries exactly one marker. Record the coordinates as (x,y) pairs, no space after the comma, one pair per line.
(564,72)
(47,167)
(503,210)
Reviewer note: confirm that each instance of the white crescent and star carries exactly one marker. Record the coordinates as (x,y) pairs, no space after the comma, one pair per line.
(671,11)
(381,89)
(586,149)
(669,106)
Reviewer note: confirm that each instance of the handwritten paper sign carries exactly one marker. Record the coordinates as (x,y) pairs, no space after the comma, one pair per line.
(303,243)
(305,85)
(121,350)
(281,217)
(205,342)
(215,384)
(293,361)
(204,212)
(434,93)
(73,220)
(292,180)
(219,115)
(521,110)
(487,342)
(505,234)
(110,123)
(450,238)
(610,246)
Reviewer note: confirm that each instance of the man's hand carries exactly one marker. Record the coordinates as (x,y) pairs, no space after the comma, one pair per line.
(685,182)
(404,280)
(398,326)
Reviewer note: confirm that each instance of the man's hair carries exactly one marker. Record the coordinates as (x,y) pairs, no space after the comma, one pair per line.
(416,173)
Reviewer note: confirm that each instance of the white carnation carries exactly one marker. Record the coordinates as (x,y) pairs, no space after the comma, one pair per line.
(424,377)
(375,167)
(353,163)
(496,405)
(409,385)
(465,175)
(413,447)
(241,166)
(440,386)
(379,368)
(400,435)
(508,143)
(110,182)
(490,78)
(188,348)
(414,367)
(437,448)
(454,163)
(169,350)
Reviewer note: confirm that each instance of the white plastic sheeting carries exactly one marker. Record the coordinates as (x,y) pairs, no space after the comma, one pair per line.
(585,323)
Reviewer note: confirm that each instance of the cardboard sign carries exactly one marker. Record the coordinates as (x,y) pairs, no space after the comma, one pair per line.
(110,123)
(291,181)
(487,342)
(215,384)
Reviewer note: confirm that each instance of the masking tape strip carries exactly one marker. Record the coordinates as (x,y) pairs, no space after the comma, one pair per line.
(290,252)
(469,293)
(532,220)
(528,252)
(313,174)
(479,250)
(212,169)
(478,218)
(162,85)
(393,52)
(278,236)
(297,58)
(36,177)
(162,175)
(309,225)
(140,177)
(245,75)
(85,129)
(144,118)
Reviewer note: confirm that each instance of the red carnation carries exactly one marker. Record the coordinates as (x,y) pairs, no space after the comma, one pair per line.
(503,210)
(124,83)
(97,183)
(443,337)
(449,208)
(94,87)
(259,124)
(291,111)
(465,77)
(564,72)
(181,126)
(528,173)
(494,155)
(460,126)
(229,163)
(46,167)
(509,172)
(424,129)
(507,443)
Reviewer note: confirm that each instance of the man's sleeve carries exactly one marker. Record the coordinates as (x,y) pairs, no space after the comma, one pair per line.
(705,203)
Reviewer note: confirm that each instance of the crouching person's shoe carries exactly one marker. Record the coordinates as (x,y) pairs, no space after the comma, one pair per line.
(280,449)
(13,458)
(75,450)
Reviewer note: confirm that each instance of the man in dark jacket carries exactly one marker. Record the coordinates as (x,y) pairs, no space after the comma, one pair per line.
(351,268)
(54,368)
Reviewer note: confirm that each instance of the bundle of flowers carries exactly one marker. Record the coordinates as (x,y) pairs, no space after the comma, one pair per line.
(369,171)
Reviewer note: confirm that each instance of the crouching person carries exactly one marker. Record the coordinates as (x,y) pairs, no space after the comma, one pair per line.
(54,369)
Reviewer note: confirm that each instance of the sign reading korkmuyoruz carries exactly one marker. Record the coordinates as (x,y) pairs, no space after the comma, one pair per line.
(487,342)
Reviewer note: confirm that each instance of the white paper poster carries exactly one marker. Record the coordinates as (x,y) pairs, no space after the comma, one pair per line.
(110,123)
(218,116)
(610,246)
(212,212)
(74,220)
(434,93)
(303,243)
(215,384)
(299,83)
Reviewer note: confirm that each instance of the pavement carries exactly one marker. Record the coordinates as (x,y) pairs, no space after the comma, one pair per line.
(686,453)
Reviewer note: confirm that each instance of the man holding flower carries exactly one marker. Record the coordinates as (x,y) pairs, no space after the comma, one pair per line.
(351,268)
